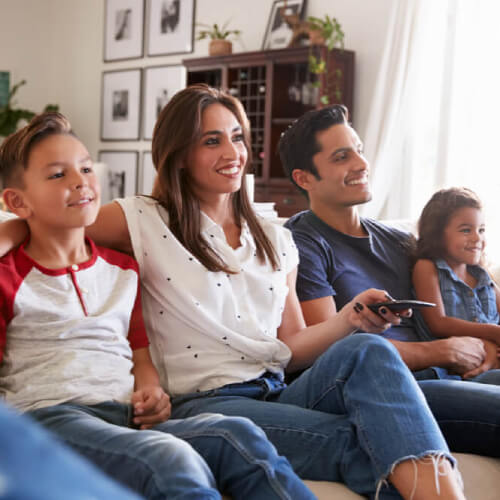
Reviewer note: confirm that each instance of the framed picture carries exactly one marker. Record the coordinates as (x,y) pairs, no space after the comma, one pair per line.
(121,173)
(148,173)
(120,108)
(160,84)
(170,27)
(123,29)
(278,34)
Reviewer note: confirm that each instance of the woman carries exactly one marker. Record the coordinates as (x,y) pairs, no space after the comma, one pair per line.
(224,320)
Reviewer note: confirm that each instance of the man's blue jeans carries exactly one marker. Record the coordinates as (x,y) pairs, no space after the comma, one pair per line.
(351,417)
(35,466)
(159,465)
(468,411)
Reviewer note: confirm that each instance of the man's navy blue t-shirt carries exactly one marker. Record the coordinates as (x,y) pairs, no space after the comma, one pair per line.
(336,264)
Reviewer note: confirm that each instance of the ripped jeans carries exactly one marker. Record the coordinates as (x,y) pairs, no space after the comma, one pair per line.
(351,417)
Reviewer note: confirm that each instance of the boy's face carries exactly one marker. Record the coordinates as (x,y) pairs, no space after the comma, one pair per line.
(61,189)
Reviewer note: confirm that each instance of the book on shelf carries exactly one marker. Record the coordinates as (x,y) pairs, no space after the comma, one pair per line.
(265,209)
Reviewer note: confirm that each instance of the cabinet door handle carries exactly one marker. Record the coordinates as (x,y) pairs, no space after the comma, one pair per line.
(288,201)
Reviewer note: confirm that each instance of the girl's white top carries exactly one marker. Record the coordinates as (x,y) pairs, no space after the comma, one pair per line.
(208,329)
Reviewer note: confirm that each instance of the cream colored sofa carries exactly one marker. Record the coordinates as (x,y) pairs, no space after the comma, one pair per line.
(481,477)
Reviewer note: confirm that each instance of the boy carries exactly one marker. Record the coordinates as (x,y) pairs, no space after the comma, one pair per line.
(73,348)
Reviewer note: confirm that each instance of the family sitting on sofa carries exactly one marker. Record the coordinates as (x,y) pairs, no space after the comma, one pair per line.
(225,322)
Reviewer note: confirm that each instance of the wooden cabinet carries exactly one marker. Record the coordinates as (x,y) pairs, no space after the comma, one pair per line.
(275,88)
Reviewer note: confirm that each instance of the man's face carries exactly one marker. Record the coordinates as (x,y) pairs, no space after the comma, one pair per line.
(342,168)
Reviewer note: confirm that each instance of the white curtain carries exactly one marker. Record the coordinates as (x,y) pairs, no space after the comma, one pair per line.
(434,117)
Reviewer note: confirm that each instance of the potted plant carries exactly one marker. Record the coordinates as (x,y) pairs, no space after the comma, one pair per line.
(10,117)
(219,43)
(328,32)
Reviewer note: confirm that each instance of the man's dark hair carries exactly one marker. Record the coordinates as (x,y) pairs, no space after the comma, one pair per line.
(298,144)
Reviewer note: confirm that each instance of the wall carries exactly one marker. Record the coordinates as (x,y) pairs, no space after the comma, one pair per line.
(56,45)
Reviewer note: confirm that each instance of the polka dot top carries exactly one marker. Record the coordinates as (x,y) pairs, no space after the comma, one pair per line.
(208,329)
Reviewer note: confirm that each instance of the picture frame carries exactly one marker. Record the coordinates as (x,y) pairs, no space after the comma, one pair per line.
(148,174)
(123,29)
(120,106)
(160,84)
(278,34)
(170,26)
(120,174)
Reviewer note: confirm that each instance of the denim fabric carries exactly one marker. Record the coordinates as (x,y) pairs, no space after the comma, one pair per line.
(350,417)
(159,465)
(468,413)
(461,301)
(35,466)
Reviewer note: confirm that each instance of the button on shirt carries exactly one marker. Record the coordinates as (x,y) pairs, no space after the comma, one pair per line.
(476,304)
(208,329)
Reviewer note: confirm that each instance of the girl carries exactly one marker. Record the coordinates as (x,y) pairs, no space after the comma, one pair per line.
(224,320)
(448,272)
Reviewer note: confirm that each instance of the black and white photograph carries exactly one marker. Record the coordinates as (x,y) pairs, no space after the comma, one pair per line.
(120,173)
(148,174)
(160,84)
(278,33)
(120,108)
(123,29)
(170,26)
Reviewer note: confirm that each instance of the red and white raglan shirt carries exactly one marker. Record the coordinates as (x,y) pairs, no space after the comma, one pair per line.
(67,335)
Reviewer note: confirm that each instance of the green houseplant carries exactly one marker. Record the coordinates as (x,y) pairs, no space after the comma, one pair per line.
(219,43)
(10,116)
(325,31)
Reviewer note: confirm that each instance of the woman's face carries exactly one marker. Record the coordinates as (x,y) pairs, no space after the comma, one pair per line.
(216,161)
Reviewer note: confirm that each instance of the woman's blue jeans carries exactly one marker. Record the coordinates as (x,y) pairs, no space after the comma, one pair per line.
(162,462)
(351,417)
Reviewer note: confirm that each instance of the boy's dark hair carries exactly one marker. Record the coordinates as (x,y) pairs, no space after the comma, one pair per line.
(15,150)
(298,143)
(435,217)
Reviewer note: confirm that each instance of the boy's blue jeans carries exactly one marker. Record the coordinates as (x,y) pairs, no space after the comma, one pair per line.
(159,465)
(351,417)
(35,466)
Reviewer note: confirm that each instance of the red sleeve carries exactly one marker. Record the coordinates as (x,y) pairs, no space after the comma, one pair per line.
(137,335)
(13,269)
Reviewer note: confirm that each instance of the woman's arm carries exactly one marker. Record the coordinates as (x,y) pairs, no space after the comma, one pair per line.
(426,284)
(12,233)
(307,343)
(110,229)
(459,354)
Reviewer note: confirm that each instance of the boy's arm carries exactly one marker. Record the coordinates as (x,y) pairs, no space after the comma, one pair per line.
(426,283)
(12,233)
(151,404)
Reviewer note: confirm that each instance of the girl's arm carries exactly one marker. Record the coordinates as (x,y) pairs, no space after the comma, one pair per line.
(110,229)
(12,233)
(426,284)
(307,343)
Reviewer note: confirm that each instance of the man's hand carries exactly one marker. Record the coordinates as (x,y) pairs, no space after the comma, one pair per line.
(151,406)
(490,361)
(462,355)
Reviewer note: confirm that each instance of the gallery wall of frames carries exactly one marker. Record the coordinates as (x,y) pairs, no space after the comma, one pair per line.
(132,97)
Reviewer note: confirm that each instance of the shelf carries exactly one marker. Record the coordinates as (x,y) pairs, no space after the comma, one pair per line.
(270,86)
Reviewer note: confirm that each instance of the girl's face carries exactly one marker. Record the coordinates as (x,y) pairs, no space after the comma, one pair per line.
(464,238)
(216,161)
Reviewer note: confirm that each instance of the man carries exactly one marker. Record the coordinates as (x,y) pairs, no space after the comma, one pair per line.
(342,254)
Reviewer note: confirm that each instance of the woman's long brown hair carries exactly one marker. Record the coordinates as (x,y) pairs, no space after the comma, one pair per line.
(177,129)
